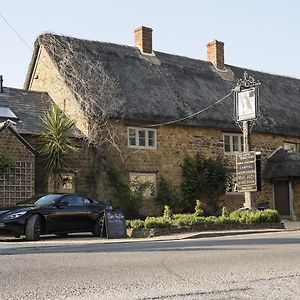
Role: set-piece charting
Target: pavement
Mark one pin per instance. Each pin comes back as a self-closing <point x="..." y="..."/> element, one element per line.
<point x="84" y="238"/>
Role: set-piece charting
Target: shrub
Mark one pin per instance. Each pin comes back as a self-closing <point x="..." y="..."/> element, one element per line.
<point x="168" y="213"/>
<point x="256" y="216"/>
<point x="204" y="178"/>
<point x="130" y="196"/>
<point x="198" y="208"/>
<point x="135" y="223"/>
<point x="184" y="220"/>
<point x="5" y="163"/>
<point x="225" y="212"/>
<point x="156" y="222"/>
<point x="167" y="194"/>
<point x="269" y="215"/>
<point x="179" y="220"/>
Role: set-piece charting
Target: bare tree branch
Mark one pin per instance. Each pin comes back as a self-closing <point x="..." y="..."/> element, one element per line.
<point x="96" y="90"/>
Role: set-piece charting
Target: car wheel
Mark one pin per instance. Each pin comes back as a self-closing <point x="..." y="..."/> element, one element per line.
<point x="98" y="228"/>
<point x="33" y="228"/>
<point x="62" y="234"/>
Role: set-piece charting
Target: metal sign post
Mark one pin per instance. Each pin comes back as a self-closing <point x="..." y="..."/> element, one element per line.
<point x="246" y="94"/>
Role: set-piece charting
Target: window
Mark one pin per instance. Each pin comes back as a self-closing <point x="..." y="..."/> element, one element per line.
<point x="233" y="143"/>
<point x="291" y="146"/>
<point x="150" y="178"/>
<point x="66" y="183"/>
<point x="142" y="138"/>
<point x="74" y="200"/>
<point x="7" y="113"/>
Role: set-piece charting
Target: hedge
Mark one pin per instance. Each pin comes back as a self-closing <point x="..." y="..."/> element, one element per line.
<point x="183" y="220"/>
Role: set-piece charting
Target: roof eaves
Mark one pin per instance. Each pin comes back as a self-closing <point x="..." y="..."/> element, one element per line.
<point x="32" y="65"/>
<point x="9" y="125"/>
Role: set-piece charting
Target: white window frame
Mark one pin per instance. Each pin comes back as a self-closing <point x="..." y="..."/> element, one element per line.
<point x="147" y="130"/>
<point x="143" y="178"/>
<point x="240" y="141"/>
<point x="291" y="146"/>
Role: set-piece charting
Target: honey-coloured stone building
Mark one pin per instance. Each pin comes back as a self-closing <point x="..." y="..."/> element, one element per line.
<point x="155" y="88"/>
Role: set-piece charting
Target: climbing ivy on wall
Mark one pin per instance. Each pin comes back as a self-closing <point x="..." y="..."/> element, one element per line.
<point x="5" y="163"/>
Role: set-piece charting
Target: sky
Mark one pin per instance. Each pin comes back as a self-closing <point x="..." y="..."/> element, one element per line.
<point x="261" y="35"/>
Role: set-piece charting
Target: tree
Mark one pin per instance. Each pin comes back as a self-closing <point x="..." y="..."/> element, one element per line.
<point x="57" y="144"/>
<point x="205" y="179"/>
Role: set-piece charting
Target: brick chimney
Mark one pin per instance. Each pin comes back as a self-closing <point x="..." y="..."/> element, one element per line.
<point x="215" y="54"/>
<point x="143" y="39"/>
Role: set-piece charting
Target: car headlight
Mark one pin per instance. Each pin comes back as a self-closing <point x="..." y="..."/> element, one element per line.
<point x="15" y="215"/>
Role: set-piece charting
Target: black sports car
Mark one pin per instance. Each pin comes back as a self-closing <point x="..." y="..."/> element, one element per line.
<point x="52" y="213"/>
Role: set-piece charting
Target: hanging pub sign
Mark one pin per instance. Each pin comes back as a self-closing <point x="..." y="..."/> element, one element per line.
<point x="246" y="104"/>
<point x="248" y="172"/>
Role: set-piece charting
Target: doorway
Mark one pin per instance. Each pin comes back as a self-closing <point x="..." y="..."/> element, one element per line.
<point x="281" y="197"/>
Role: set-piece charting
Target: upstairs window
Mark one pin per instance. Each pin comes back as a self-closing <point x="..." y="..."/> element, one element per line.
<point x="233" y="143"/>
<point x="142" y="138"/>
<point x="291" y="146"/>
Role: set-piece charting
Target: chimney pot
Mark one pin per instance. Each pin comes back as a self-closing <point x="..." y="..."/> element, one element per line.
<point x="215" y="54"/>
<point x="143" y="39"/>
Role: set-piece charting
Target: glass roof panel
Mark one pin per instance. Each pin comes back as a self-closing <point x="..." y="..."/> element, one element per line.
<point x="6" y="112"/>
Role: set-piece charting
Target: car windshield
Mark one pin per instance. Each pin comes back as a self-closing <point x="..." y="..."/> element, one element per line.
<point x="41" y="200"/>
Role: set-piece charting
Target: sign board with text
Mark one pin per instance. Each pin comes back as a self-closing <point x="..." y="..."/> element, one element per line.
<point x="115" y="224"/>
<point x="246" y="172"/>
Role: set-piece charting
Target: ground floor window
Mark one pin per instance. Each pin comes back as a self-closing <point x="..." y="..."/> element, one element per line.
<point x="66" y="183"/>
<point x="17" y="183"/>
<point x="145" y="177"/>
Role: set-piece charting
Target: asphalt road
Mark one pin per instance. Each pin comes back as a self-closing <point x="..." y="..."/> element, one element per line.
<point x="257" y="266"/>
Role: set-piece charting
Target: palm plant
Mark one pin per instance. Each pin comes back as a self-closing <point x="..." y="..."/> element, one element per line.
<point x="57" y="144"/>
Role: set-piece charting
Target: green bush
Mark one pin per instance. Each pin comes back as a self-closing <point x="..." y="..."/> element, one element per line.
<point x="168" y="213"/>
<point x="205" y="179"/>
<point x="198" y="208"/>
<point x="167" y="194"/>
<point x="269" y="216"/>
<point x="5" y="163"/>
<point x="255" y="216"/>
<point x="135" y="223"/>
<point x="180" y="220"/>
<point x="156" y="222"/>
<point x="225" y="212"/>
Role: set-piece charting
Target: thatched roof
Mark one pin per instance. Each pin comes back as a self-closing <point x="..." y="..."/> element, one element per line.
<point x="167" y="87"/>
<point x="283" y="163"/>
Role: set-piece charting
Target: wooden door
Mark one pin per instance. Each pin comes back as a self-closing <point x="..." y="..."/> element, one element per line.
<point x="281" y="195"/>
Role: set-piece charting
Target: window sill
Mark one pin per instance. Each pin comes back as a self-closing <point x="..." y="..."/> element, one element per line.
<point x="142" y="148"/>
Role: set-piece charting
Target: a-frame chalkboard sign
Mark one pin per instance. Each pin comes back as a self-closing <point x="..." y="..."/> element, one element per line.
<point x="114" y="222"/>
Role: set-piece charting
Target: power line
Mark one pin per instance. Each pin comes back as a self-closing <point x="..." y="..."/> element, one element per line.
<point x="194" y="114"/>
<point x="15" y="31"/>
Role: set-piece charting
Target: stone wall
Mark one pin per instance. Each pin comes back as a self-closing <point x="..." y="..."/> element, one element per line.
<point x="46" y="78"/>
<point x="296" y="190"/>
<point x="16" y="186"/>
<point x="174" y="143"/>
